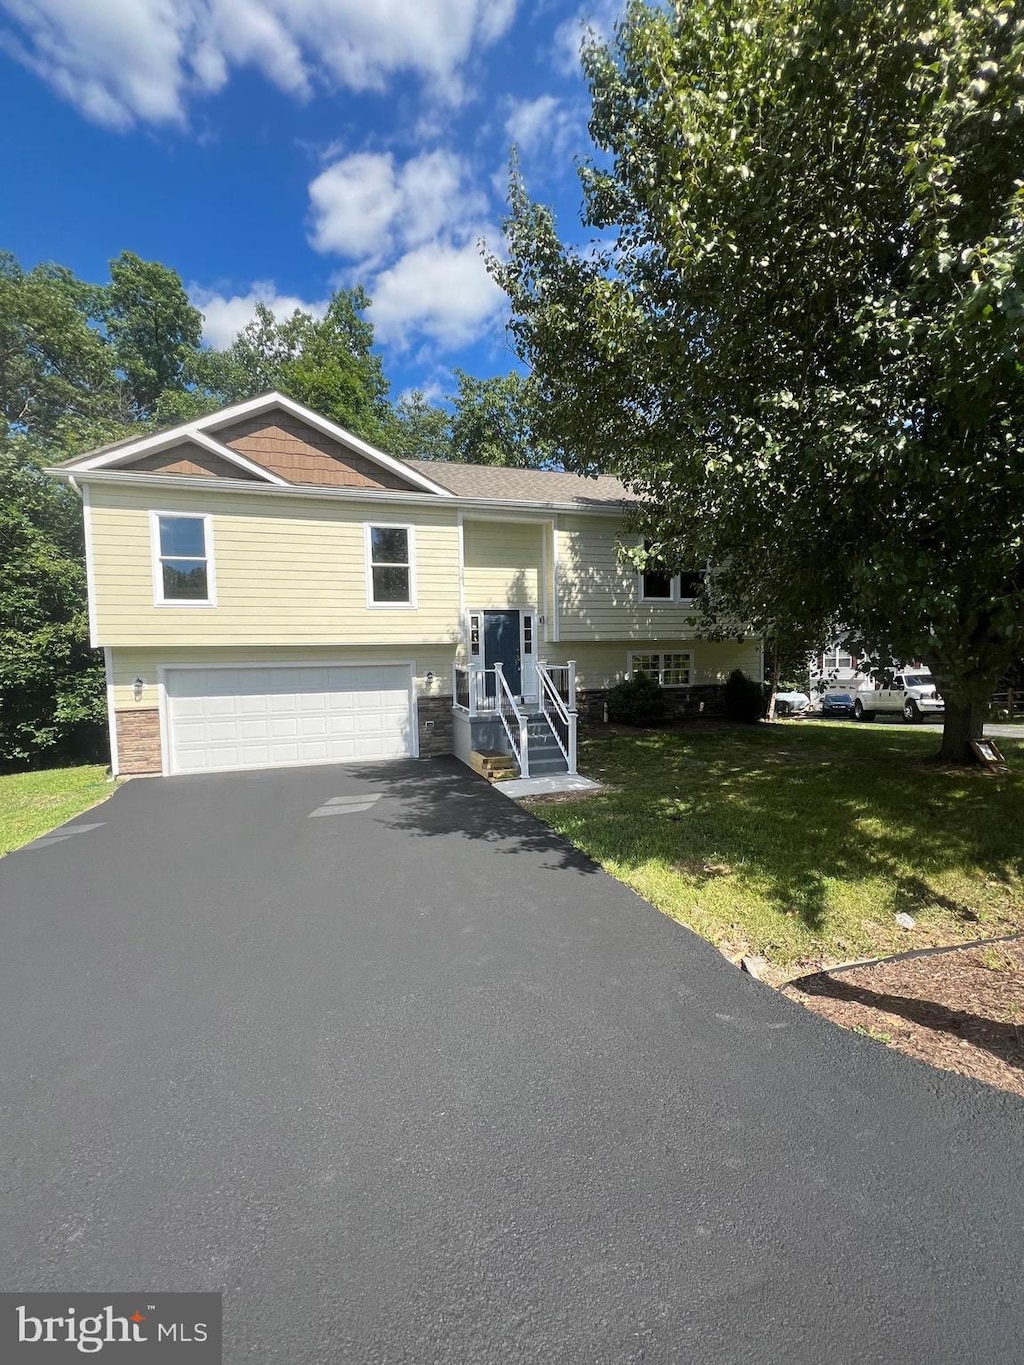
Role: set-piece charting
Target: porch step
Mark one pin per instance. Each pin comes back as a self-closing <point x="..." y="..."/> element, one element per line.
<point x="544" y="767"/>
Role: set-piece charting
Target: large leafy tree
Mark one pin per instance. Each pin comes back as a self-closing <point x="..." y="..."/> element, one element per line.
<point x="494" y="421"/>
<point x="51" y="683"/>
<point x="798" y="332"/>
<point x="153" y="331"/>
<point x="326" y="363"/>
<point x="80" y="364"/>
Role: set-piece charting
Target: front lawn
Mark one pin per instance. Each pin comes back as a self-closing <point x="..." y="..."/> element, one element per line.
<point x="33" y="803"/>
<point x="802" y="842"/>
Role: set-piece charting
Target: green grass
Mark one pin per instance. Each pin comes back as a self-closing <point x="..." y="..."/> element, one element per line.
<point x="33" y="803"/>
<point x="801" y="841"/>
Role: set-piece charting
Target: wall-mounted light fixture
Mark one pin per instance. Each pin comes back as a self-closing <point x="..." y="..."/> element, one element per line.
<point x="429" y="679"/>
<point x="138" y="686"/>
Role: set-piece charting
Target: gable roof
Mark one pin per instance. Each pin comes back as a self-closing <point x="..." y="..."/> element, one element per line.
<point x="440" y="478"/>
<point x="202" y="431"/>
<point x="524" y="485"/>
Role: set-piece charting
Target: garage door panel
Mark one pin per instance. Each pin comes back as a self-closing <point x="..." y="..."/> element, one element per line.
<point x="223" y="718"/>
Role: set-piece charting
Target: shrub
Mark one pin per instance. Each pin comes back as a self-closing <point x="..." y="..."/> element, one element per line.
<point x="744" y="698"/>
<point x="637" y="701"/>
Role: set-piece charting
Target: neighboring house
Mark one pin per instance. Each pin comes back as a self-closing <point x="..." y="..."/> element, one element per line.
<point x="270" y="590"/>
<point x="838" y="668"/>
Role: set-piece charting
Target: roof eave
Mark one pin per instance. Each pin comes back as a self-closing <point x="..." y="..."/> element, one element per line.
<point x="207" y="484"/>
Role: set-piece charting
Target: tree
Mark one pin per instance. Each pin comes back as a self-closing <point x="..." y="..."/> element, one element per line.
<point x="80" y="364"/>
<point x="420" y="430"/>
<point x="326" y="363"/>
<point x="54" y="364"/>
<point x="51" y="683"/>
<point x="494" y="422"/>
<point x="798" y="337"/>
<point x="153" y="329"/>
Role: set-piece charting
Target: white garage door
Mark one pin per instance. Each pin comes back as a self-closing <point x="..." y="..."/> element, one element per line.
<point x="223" y="718"/>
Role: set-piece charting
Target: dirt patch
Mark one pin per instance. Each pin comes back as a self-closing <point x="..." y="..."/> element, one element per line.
<point x="961" y="1011"/>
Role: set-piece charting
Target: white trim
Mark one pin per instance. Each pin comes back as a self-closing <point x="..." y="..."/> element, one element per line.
<point x="534" y="688"/>
<point x="90" y="567"/>
<point x="152" y="445"/>
<point x="461" y="537"/>
<point x="660" y="654"/>
<point x="214" y="421"/>
<point x="410" y="532"/>
<point x="226" y="453"/>
<point x="555" y="605"/>
<point x="159" y="600"/>
<point x="108" y="673"/>
<point x="166" y="767"/>
<point x="291" y="490"/>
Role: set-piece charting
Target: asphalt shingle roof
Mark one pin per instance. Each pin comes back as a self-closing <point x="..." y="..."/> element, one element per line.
<point x="522" y="485"/>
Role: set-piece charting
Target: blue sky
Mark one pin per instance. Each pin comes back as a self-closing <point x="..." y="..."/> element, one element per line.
<point x="277" y="148"/>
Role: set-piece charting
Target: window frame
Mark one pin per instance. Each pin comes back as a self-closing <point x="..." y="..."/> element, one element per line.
<point x="661" y="655"/>
<point x="410" y="548"/>
<point x="158" y="557"/>
<point x="674" y="598"/>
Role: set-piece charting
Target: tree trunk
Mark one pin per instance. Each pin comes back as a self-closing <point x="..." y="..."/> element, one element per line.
<point x="963" y="722"/>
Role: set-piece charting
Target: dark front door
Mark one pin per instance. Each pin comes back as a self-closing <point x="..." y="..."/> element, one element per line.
<point x="501" y="645"/>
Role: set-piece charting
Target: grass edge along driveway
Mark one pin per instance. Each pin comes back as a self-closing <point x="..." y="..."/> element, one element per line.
<point x="33" y="803"/>
<point x="802" y="842"/>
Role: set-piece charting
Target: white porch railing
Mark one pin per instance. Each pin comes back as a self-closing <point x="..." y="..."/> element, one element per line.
<point x="469" y="690"/>
<point x="515" y="721"/>
<point x="557" y="686"/>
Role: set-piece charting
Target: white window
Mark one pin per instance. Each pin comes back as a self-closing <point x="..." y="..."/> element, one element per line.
<point x="670" y="670"/>
<point x="390" y="567"/>
<point x="182" y="559"/>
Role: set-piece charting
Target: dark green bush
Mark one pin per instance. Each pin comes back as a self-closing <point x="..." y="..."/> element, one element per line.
<point x="744" y="698"/>
<point x="637" y="701"/>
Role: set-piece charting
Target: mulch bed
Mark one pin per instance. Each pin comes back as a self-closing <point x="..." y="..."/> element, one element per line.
<point x="961" y="1010"/>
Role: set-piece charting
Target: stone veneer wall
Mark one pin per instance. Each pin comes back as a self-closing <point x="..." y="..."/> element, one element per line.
<point x="138" y="741"/>
<point x="439" y="740"/>
<point x="703" y="701"/>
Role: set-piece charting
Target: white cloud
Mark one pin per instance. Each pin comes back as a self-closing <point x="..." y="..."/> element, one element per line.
<point x="596" y="19"/>
<point x="547" y="125"/>
<point x="226" y="314"/>
<point x="364" y="205"/>
<point x="440" y="291"/>
<point x="126" y="61"/>
<point x="410" y="231"/>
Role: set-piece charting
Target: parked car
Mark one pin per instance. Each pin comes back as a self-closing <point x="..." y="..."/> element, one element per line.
<point x="837" y="702"/>
<point x="790" y="703"/>
<point x="912" y="693"/>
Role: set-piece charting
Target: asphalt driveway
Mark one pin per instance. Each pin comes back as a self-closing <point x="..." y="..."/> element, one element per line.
<point x="411" y="1081"/>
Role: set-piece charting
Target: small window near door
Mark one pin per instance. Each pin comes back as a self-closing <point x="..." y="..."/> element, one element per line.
<point x="389" y="566"/>
<point x="183" y="567"/>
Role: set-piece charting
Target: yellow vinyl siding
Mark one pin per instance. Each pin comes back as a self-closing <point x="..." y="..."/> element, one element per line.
<point x="288" y="572"/>
<point x="598" y="596"/>
<point x="504" y="563"/>
<point x="127" y="664"/>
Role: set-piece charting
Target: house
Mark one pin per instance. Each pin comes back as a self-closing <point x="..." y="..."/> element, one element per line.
<point x="270" y="590"/>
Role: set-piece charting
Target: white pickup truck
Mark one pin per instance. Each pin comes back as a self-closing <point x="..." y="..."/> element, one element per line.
<point x="912" y="692"/>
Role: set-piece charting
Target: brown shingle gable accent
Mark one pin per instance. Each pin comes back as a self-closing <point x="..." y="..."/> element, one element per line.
<point x="297" y="452"/>
<point x="191" y="460"/>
